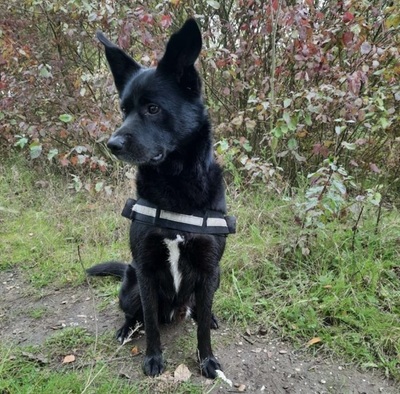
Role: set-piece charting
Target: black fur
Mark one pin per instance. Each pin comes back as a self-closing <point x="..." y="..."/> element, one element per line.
<point x="166" y="132"/>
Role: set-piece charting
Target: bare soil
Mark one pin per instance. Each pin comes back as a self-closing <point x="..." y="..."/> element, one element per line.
<point x="254" y="363"/>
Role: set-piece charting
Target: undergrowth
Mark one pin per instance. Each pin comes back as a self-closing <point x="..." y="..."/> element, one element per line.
<point x="341" y="288"/>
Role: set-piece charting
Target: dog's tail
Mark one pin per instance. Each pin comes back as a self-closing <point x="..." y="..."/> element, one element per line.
<point x="110" y="268"/>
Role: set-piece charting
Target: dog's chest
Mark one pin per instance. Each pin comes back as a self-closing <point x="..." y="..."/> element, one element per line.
<point x="173" y="260"/>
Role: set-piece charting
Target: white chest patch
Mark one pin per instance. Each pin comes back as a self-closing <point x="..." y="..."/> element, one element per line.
<point x="173" y="259"/>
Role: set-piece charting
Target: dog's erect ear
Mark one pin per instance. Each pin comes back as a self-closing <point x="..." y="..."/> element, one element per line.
<point x="122" y="65"/>
<point x="182" y="50"/>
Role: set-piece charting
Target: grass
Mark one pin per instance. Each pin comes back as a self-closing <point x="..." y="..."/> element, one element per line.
<point x="350" y="299"/>
<point x="347" y="297"/>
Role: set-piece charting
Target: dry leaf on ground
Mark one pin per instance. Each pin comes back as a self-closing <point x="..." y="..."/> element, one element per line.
<point x="182" y="373"/>
<point x="69" y="359"/>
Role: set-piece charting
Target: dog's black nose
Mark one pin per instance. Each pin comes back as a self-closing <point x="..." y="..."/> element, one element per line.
<point x="116" y="143"/>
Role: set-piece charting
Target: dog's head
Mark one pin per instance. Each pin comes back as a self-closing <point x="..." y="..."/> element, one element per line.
<point x="162" y="107"/>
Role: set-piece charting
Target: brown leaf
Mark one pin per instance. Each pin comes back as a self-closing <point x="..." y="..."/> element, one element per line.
<point x="135" y="351"/>
<point x="182" y="373"/>
<point x="69" y="359"/>
<point x="313" y="341"/>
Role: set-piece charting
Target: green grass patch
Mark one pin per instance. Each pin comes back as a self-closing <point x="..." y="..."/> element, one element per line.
<point x="49" y="232"/>
<point x="345" y="291"/>
<point x="322" y="282"/>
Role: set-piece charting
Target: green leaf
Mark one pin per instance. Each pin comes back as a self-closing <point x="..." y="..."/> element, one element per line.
<point x="247" y="147"/>
<point x="349" y="146"/>
<point x="214" y="4"/>
<point x="277" y="132"/>
<point x="384" y="123"/>
<point x="22" y="141"/>
<point x="52" y="153"/>
<point x="292" y="144"/>
<point x="286" y="117"/>
<point x="99" y="186"/>
<point x="35" y="149"/>
<point x="307" y="119"/>
<point x="339" y="186"/>
<point x="287" y="102"/>
<point x="44" y="72"/>
<point x="223" y="146"/>
<point x="66" y="118"/>
<point x="375" y="199"/>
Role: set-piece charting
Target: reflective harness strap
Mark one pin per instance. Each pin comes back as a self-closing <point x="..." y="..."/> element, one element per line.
<point x="206" y="222"/>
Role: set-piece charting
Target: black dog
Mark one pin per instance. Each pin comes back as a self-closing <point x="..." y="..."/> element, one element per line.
<point x="178" y="226"/>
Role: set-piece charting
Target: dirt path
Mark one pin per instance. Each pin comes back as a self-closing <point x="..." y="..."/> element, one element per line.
<point x="254" y="363"/>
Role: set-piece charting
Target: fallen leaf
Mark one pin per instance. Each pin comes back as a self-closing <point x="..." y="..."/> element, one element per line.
<point x="69" y="359"/>
<point x="313" y="341"/>
<point x="182" y="373"/>
<point x="135" y="351"/>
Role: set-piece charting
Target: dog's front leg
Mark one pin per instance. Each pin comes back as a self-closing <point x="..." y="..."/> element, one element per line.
<point x="153" y="363"/>
<point x="204" y="297"/>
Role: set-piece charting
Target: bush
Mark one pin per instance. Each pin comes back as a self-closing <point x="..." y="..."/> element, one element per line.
<point x="289" y="85"/>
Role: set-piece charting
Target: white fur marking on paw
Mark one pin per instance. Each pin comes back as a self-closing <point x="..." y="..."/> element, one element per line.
<point x="222" y="376"/>
<point x="173" y="248"/>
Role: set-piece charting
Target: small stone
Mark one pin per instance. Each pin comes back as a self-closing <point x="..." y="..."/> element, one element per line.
<point x="322" y="381"/>
<point x="263" y="331"/>
<point x="241" y="388"/>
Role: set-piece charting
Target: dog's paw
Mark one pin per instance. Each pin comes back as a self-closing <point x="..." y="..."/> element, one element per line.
<point x="209" y="367"/>
<point x="123" y="334"/>
<point x="214" y="322"/>
<point x="153" y="365"/>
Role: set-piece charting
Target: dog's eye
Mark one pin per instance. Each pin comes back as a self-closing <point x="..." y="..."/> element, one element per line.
<point x="152" y="109"/>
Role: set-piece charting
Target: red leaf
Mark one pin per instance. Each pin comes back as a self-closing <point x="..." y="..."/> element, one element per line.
<point x="166" y="21"/>
<point x="348" y="17"/>
<point x="320" y="149"/>
<point x="347" y="38"/>
<point x="64" y="161"/>
<point x="374" y="168"/>
<point x="147" y="18"/>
